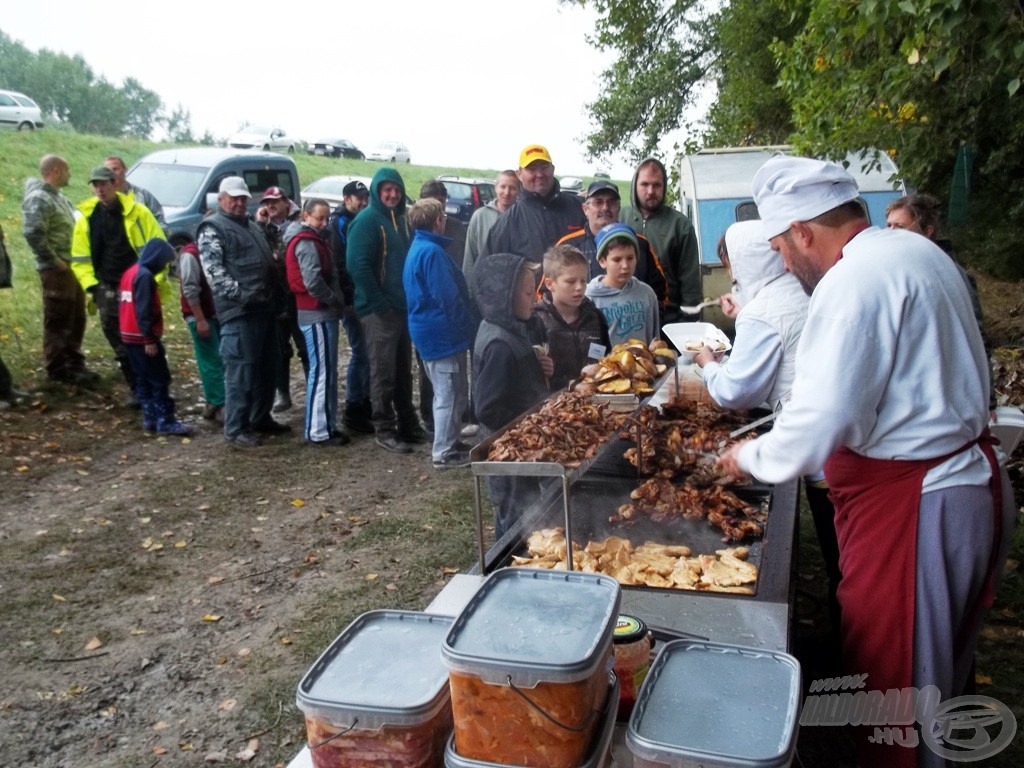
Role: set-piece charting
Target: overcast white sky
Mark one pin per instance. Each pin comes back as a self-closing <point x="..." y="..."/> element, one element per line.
<point x="463" y="83"/>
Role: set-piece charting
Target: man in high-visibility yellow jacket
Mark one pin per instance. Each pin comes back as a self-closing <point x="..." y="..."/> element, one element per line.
<point x="107" y="240"/>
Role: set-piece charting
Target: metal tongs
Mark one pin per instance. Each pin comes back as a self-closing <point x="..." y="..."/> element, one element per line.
<point x="699" y="307"/>
<point x="753" y="425"/>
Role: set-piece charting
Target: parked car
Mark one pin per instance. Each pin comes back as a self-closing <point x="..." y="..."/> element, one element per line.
<point x="601" y="175"/>
<point x="466" y="195"/>
<point x="571" y="184"/>
<point x="185" y="181"/>
<point x="267" y="139"/>
<point x="390" y="152"/>
<point x="18" y="111"/>
<point x="329" y="188"/>
<point x="336" y="148"/>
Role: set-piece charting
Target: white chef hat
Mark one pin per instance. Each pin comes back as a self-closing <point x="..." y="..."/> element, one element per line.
<point x="788" y="189"/>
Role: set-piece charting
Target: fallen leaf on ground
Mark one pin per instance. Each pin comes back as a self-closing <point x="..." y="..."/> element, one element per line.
<point x="160" y="726"/>
<point x="60" y="598"/>
<point x="93" y="644"/>
<point x="983" y="680"/>
<point x="249" y="752"/>
<point x="371" y="576"/>
<point x="216" y="757"/>
<point x="392" y="587"/>
<point x="244" y="651"/>
<point x="449" y="571"/>
<point x="212" y="617"/>
<point x="158" y="750"/>
<point x="227" y="705"/>
<point x="298" y="503"/>
<point x="215" y="580"/>
<point x="180" y="544"/>
<point x="136" y="632"/>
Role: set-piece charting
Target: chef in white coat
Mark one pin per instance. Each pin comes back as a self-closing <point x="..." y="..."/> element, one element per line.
<point x="890" y="395"/>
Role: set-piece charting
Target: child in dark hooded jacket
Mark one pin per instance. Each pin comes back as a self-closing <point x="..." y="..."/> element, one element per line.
<point x="511" y="366"/>
<point x="142" y="325"/>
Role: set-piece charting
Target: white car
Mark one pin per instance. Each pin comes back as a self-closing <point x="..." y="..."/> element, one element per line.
<point x="267" y="139"/>
<point x="18" y="111"/>
<point x="329" y="188"/>
<point x="390" y="152"/>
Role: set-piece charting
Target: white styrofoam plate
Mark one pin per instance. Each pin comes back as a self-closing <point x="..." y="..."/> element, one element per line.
<point x="685" y="334"/>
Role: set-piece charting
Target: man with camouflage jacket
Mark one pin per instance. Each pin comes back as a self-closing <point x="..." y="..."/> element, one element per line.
<point x="48" y="219"/>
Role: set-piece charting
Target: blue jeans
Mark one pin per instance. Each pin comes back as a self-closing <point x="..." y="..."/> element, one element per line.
<point x="248" y="349"/>
<point x="357" y="380"/>
<point x="322" y="381"/>
<point x="451" y="395"/>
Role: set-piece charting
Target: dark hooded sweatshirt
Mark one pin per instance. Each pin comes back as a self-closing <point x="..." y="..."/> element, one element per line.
<point x="378" y="241"/>
<point x="141" y="316"/>
<point x="672" y="237"/>
<point x="507" y="377"/>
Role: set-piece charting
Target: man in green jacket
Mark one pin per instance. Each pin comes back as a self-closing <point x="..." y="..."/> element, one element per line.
<point x="106" y="241"/>
<point x="671" y="236"/>
<point x="378" y="240"/>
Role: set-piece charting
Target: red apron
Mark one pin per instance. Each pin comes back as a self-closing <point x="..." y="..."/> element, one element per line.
<point x="877" y="503"/>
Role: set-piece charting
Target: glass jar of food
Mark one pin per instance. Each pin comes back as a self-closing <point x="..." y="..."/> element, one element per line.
<point x="632" y="644"/>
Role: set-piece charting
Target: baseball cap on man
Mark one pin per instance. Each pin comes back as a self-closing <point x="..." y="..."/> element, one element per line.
<point x="233" y="186"/>
<point x="273" y="193"/>
<point x="355" y="188"/>
<point x="602" y="186"/>
<point x="533" y="153"/>
<point x="102" y="173"/>
<point x="608" y="233"/>
<point x="788" y="189"/>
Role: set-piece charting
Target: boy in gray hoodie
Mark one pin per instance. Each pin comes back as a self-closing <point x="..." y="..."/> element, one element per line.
<point x="629" y="306"/>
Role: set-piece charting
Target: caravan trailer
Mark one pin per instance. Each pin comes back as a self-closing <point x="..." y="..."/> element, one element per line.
<point x="715" y="191"/>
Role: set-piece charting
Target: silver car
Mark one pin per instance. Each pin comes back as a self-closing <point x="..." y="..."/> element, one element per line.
<point x="18" y="111"/>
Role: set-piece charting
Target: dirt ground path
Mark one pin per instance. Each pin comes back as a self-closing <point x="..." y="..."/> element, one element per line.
<point x="162" y="597"/>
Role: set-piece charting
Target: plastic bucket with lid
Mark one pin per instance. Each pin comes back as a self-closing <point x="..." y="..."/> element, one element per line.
<point x="528" y="661"/>
<point x="715" y="705"/>
<point x="596" y="754"/>
<point x="378" y="696"/>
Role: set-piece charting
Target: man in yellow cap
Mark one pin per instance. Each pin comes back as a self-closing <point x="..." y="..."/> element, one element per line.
<point x="541" y="215"/>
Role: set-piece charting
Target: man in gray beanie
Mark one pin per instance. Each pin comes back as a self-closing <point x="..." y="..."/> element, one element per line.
<point x="890" y="395"/>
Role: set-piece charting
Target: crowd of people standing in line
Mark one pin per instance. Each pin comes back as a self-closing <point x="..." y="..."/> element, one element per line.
<point x="258" y="290"/>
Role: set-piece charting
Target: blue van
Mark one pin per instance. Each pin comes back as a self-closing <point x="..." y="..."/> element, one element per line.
<point x="715" y="191"/>
<point x="185" y="181"/>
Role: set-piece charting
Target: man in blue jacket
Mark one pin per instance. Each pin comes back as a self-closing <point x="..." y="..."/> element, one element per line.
<point x="441" y="325"/>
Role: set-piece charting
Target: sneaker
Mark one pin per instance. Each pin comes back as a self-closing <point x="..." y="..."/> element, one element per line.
<point x="211" y="412"/>
<point x="271" y="427"/>
<point x="282" y="401"/>
<point x="244" y="440"/>
<point x="173" y="428"/>
<point x="469" y="430"/>
<point x="393" y="443"/>
<point x="453" y="461"/>
<point x="336" y="439"/>
<point x="414" y="436"/>
<point x="361" y="425"/>
<point x="82" y="377"/>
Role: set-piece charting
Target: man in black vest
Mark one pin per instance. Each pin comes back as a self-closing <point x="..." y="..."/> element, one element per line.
<point x="239" y="265"/>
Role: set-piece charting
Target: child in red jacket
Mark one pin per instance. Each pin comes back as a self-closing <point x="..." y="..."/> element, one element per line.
<point x="142" y="325"/>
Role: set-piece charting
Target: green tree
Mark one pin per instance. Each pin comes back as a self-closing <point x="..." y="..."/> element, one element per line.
<point x="178" y="125"/>
<point x="751" y="109"/>
<point x="665" y="50"/>
<point x="921" y="79"/>
<point x="66" y="88"/>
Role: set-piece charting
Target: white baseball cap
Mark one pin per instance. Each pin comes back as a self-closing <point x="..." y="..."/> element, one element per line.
<point x="234" y="186"/>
